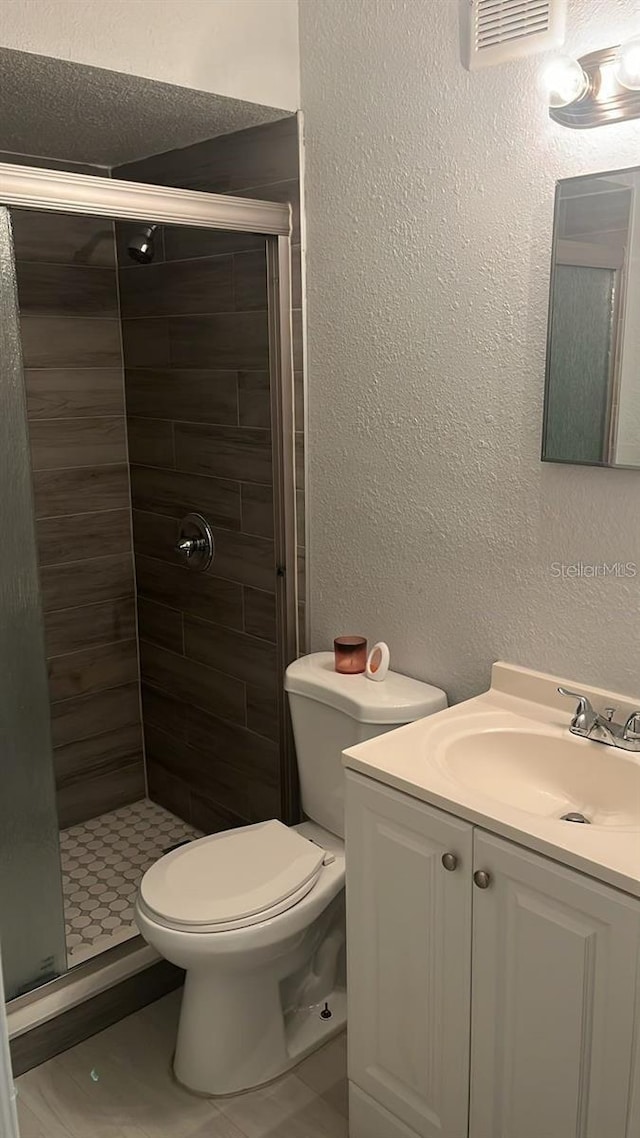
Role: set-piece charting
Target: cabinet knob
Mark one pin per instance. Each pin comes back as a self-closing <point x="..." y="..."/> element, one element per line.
<point x="482" y="879"/>
<point x="450" y="861"/>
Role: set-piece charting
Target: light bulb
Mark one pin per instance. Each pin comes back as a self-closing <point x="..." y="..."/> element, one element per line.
<point x="627" y="65"/>
<point x="564" y="82"/>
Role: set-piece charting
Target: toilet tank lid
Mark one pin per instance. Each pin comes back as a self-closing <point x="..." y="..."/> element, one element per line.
<point x="397" y="699"/>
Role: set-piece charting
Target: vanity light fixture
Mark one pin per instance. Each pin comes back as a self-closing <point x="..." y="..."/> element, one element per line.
<point x="565" y="81"/>
<point x="627" y="66"/>
<point x="599" y="88"/>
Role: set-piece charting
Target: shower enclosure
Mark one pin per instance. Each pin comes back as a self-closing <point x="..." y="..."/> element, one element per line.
<point x="147" y="410"/>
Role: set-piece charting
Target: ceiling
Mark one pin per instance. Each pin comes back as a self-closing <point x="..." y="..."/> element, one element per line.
<point x="52" y="108"/>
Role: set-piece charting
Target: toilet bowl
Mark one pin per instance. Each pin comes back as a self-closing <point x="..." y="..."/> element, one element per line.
<point x="255" y="916"/>
<point x="262" y="989"/>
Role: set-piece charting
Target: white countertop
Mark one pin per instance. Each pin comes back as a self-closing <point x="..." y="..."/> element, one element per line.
<point x="518" y="699"/>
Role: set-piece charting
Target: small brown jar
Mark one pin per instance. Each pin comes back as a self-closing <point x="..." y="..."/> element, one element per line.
<point x="350" y="654"/>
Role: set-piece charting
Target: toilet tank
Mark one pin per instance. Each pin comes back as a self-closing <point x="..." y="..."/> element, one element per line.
<point x="331" y="712"/>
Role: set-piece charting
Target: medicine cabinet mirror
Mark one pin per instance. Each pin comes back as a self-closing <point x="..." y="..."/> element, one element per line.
<point x="592" y="397"/>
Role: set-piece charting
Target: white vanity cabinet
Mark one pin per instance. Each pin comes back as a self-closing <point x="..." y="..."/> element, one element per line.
<point x="506" y="1011"/>
<point x="554" y="964"/>
<point x="409" y="954"/>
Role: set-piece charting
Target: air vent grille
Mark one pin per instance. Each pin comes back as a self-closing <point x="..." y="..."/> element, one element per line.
<point x="501" y="30"/>
<point x="498" y="21"/>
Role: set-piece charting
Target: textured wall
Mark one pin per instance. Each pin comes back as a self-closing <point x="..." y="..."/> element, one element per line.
<point x="246" y="49"/>
<point x="429" y="215"/>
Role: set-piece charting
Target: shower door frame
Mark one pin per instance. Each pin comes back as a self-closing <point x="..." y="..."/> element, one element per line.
<point x="59" y="191"/>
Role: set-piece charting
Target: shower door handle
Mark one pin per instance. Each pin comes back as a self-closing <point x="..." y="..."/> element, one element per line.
<point x="195" y="543"/>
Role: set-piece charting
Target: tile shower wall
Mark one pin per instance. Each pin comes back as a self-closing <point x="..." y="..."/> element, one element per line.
<point x="262" y="162"/>
<point x="197" y="388"/>
<point x="67" y="287"/>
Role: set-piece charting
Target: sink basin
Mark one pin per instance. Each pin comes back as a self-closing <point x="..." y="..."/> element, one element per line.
<point x="547" y="774"/>
<point x="506" y="760"/>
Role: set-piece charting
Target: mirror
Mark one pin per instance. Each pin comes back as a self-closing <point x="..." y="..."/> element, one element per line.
<point x="592" y="396"/>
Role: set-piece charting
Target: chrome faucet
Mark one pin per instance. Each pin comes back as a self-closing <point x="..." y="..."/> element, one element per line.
<point x="589" y="724"/>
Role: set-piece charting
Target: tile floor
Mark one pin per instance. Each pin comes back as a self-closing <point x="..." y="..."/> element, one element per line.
<point x="118" y="1085"/>
<point x="102" y="863"/>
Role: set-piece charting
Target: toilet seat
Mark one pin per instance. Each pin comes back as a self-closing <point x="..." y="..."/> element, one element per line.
<point x="233" y="879"/>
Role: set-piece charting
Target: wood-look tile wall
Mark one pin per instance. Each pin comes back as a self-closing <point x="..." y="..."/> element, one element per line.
<point x="207" y="640"/>
<point x="198" y="407"/>
<point x="262" y="162"/>
<point x="71" y="342"/>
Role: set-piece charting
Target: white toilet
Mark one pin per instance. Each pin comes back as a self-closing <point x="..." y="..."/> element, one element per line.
<point x="256" y="915"/>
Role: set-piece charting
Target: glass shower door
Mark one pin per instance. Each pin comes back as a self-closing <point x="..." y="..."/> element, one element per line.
<point x="223" y="316"/>
<point x="31" y="912"/>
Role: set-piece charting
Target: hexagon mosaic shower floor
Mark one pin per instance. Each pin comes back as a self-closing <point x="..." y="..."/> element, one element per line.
<point x="103" y="861"/>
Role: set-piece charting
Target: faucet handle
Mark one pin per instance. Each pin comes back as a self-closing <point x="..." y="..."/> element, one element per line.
<point x="585" y="717"/>
<point x="631" y="729"/>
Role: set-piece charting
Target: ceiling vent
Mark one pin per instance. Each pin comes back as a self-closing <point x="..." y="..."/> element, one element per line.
<point x="496" y="31"/>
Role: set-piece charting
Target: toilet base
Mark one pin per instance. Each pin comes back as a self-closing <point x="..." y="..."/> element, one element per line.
<point x="307" y="1030"/>
<point x="256" y="1046"/>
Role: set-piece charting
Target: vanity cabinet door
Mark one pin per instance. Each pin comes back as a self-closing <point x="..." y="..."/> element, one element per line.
<point x="555" y="956"/>
<point x="633" y="1124"/>
<point x="409" y="948"/>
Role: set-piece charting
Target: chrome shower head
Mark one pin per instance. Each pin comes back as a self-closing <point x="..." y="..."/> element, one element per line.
<point x="140" y="247"/>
